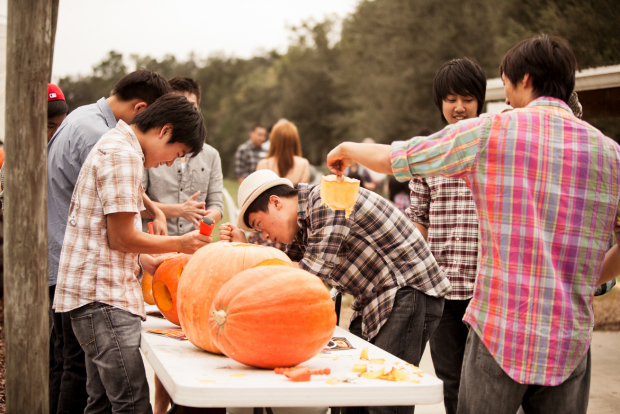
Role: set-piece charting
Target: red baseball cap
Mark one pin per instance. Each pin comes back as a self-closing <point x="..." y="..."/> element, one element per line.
<point x="54" y="93"/>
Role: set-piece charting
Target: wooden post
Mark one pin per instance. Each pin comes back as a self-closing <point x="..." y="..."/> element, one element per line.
<point x="53" y="41"/>
<point x="29" y="25"/>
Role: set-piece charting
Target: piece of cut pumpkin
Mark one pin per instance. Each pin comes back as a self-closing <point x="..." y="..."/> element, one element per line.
<point x="373" y="374"/>
<point x="339" y="193"/>
<point x="364" y="354"/>
<point x="359" y="368"/>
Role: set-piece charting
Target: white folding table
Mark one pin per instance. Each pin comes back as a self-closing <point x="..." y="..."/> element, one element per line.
<point x="196" y="378"/>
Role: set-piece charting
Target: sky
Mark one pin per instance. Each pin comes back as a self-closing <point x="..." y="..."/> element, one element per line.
<point x="88" y="29"/>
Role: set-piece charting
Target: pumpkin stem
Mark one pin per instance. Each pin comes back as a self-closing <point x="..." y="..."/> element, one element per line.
<point x="220" y="316"/>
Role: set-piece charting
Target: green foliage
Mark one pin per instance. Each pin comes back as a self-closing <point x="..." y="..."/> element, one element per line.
<point x="370" y="75"/>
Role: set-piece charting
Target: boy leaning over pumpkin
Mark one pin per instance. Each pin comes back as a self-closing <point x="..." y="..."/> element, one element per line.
<point x="99" y="272"/>
<point x="376" y="255"/>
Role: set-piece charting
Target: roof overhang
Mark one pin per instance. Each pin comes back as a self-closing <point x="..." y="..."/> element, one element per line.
<point x="603" y="77"/>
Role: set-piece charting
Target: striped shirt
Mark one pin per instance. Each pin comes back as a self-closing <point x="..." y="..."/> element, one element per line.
<point x="446" y="207"/>
<point x="370" y="255"/>
<point x="90" y="271"/>
<point x="546" y="189"/>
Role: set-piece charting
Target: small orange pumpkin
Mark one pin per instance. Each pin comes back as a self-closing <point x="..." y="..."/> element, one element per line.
<point x="204" y="275"/>
<point x="147" y="288"/>
<point x="272" y="316"/>
<point x="165" y="284"/>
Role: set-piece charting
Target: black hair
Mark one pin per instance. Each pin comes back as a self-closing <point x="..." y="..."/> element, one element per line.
<point x="185" y="84"/>
<point x="463" y="77"/>
<point x="145" y="85"/>
<point x="260" y="126"/>
<point x="548" y="60"/>
<point x="188" y="126"/>
<point x="56" y="108"/>
<point x="261" y="203"/>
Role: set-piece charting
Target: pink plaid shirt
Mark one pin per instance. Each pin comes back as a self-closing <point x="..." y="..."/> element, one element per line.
<point x="546" y="186"/>
<point x="110" y="182"/>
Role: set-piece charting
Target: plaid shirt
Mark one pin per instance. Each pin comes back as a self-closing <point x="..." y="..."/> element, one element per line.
<point x="246" y="158"/>
<point x="370" y="255"/>
<point x="110" y="182"/>
<point x="446" y="207"/>
<point x="547" y="191"/>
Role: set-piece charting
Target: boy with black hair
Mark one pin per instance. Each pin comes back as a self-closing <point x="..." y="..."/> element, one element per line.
<point x="186" y="191"/>
<point x="547" y="189"/>
<point x="100" y="267"/>
<point x="189" y="189"/>
<point x="67" y="151"/>
<point x="376" y="255"/>
<point x="444" y="211"/>
<point x="186" y="87"/>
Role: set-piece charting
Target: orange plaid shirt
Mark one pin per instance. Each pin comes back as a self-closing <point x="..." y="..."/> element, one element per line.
<point x="90" y="271"/>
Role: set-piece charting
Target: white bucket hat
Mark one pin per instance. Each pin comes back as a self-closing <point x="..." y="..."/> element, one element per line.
<point x="254" y="185"/>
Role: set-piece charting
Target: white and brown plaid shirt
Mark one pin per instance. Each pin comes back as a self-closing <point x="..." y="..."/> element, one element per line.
<point x="370" y="255"/>
<point x="446" y="207"/>
<point x="110" y="182"/>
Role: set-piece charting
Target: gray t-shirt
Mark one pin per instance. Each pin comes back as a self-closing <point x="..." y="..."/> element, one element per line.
<point x="177" y="183"/>
<point x="66" y="153"/>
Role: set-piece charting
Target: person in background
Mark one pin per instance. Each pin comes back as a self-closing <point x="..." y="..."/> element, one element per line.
<point x="67" y="152"/>
<point x="285" y="160"/>
<point x="185" y="191"/>
<point x="444" y="211"/>
<point x="541" y="259"/>
<point x="284" y="157"/>
<point x="250" y="153"/>
<point x="398" y="193"/>
<point x="57" y="109"/>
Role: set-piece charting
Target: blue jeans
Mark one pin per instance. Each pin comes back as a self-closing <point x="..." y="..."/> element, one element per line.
<point x="487" y="389"/>
<point x="411" y="323"/>
<point x="110" y="338"/>
<point x="447" y="350"/>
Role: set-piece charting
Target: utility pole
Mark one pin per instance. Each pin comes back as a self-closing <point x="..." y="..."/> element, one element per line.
<point x="26" y="320"/>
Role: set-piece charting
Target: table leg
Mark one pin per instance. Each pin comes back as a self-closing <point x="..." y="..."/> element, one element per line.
<point x="258" y="410"/>
<point x="269" y="410"/>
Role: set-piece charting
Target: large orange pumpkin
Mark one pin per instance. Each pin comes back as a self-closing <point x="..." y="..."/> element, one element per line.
<point x="165" y="284"/>
<point x="272" y="316"/>
<point x="204" y="275"/>
<point x="147" y="288"/>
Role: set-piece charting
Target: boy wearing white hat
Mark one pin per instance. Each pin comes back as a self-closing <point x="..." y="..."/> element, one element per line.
<point x="377" y="255"/>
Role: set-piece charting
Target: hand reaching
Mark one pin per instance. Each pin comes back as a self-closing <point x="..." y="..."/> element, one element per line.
<point x="150" y="262"/>
<point x="231" y="233"/>
<point x="192" y="241"/>
<point x="193" y="210"/>
<point x="338" y="161"/>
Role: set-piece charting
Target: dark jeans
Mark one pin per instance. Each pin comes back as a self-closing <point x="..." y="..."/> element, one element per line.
<point x="412" y="321"/>
<point x="110" y="338"/>
<point x="67" y="380"/>
<point x="486" y="388"/>
<point x="447" y="350"/>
